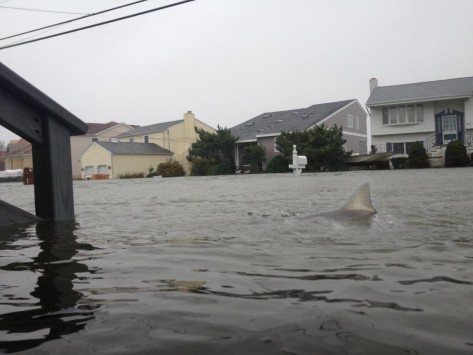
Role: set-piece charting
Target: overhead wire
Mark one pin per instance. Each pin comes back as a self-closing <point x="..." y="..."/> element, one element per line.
<point x="40" y="10"/>
<point x="97" y="24"/>
<point x="72" y="20"/>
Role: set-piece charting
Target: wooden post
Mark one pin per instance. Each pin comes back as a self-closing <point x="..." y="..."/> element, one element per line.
<point x="48" y="126"/>
<point x="53" y="173"/>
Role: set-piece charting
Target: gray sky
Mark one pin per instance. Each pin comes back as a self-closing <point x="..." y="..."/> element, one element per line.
<point x="230" y="60"/>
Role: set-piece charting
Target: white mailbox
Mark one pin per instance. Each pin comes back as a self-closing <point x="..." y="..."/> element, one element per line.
<point x="298" y="162"/>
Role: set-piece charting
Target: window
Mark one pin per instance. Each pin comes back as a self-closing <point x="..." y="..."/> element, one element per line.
<point x="409" y="146"/>
<point x="275" y="145"/>
<point x="398" y="148"/>
<point x="393" y="114"/>
<point x="420" y="113"/>
<point x="146" y="139"/>
<point x="403" y="114"/>
<point x="357" y="122"/>
<point x="95" y="139"/>
<point x="385" y="115"/>
<point x="350" y="121"/>
<point x="410" y="114"/>
<point x="132" y="140"/>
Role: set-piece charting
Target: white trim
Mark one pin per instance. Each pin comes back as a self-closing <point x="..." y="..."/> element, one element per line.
<point x="246" y="141"/>
<point x="354" y="134"/>
<point x="420" y="100"/>
<point x="267" y="135"/>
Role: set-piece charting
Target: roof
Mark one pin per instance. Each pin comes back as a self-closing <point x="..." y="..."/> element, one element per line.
<point x="39" y="101"/>
<point x="158" y="127"/>
<point x="424" y="91"/>
<point x="129" y="148"/>
<point x="95" y="128"/>
<point x="269" y="123"/>
<point x="24" y="150"/>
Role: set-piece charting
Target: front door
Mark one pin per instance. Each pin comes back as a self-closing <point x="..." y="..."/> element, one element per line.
<point x="449" y="128"/>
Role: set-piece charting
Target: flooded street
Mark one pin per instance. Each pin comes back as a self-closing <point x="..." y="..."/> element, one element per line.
<point x="226" y="264"/>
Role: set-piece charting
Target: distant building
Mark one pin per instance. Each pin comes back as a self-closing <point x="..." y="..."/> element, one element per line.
<point x="120" y="158"/>
<point x="96" y="132"/>
<point x="266" y="127"/>
<point x="433" y="112"/>
<point x="176" y="136"/>
<point x="19" y="155"/>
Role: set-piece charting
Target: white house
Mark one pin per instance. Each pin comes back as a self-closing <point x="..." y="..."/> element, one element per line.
<point x="434" y="113"/>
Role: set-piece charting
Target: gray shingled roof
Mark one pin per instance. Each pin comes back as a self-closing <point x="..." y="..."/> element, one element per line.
<point x="426" y="91"/>
<point x="286" y="121"/>
<point x="158" y="127"/>
<point x="129" y="148"/>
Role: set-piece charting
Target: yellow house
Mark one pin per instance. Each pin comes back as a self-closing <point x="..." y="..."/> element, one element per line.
<point x="177" y="136"/>
<point x="103" y="132"/>
<point x="120" y="158"/>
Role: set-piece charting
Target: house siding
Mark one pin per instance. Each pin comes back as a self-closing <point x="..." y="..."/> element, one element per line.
<point x="131" y="164"/>
<point x="18" y="162"/>
<point x="401" y="133"/>
<point x="177" y="138"/>
<point x="268" y="144"/>
<point x="95" y="156"/>
<point x="356" y="137"/>
<point x="80" y="143"/>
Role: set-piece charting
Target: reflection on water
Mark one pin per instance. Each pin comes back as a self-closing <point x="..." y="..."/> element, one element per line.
<point x="218" y="265"/>
<point x="55" y="313"/>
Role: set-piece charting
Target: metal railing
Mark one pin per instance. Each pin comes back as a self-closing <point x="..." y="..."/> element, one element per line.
<point x="469" y="139"/>
<point x="430" y="142"/>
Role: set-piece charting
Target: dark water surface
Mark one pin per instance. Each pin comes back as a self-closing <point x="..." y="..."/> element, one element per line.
<point x="223" y="265"/>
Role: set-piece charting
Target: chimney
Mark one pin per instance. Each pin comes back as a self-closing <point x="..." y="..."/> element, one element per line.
<point x="189" y="124"/>
<point x="373" y="84"/>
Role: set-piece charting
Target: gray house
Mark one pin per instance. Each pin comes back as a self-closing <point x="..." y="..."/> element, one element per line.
<point x="266" y="127"/>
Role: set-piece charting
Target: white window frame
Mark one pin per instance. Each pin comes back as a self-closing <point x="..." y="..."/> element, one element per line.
<point x="350" y="121"/>
<point x="357" y="122"/>
<point x="399" y="115"/>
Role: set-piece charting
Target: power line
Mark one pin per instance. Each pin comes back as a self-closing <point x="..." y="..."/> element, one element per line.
<point x="39" y="10"/>
<point x="72" y="20"/>
<point x="98" y="24"/>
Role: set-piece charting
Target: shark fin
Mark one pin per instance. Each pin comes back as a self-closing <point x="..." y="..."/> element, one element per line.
<point x="360" y="200"/>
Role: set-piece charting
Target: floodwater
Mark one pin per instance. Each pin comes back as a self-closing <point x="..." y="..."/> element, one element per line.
<point x="223" y="265"/>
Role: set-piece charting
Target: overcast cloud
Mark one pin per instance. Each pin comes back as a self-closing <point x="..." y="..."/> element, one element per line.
<point x="230" y="60"/>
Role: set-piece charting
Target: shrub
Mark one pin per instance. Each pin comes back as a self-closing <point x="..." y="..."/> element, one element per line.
<point x="131" y="176"/>
<point x="199" y="166"/>
<point x="279" y="164"/>
<point x="219" y="169"/>
<point x="418" y="158"/>
<point x="254" y="155"/>
<point x="399" y="163"/>
<point x="171" y="168"/>
<point x="455" y="155"/>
